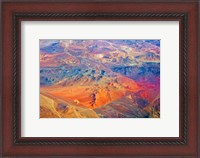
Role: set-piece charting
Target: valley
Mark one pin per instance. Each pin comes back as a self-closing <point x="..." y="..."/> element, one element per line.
<point x="99" y="79"/>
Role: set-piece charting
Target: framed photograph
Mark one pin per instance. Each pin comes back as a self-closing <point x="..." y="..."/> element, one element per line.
<point x="100" y="79"/>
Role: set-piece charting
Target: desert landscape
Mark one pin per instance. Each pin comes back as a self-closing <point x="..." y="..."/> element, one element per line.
<point x="99" y="78"/>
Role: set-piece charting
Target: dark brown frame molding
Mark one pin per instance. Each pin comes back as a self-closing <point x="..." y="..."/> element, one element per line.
<point x="184" y="12"/>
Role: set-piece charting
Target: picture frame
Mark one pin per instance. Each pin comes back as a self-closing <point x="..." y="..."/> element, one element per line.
<point x="187" y="144"/>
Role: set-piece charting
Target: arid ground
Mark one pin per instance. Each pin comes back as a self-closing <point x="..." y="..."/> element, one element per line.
<point x="99" y="78"/>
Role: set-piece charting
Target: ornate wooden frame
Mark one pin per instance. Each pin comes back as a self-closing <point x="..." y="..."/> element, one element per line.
<point x="15" y="145"/>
